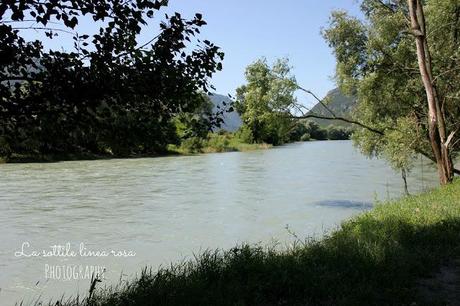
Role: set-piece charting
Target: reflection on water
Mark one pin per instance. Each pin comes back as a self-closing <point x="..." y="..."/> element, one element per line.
<point x="165" y="209"/>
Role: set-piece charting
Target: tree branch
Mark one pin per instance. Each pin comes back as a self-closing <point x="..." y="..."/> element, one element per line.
<point x="334" y="116"/>
<point x="340" y="119"/>
<point x="451" y="136"/>
<point x="44" y="29"/>
<point x="317" y="99"/>
<point x="351" y="121"/>
<point x="431" y="158"/>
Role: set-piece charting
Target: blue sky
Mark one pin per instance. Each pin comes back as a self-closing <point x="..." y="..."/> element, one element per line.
<point x="249" y="29"/>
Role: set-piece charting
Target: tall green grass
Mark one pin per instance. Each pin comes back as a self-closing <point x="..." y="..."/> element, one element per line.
<point x="373" y="259"/>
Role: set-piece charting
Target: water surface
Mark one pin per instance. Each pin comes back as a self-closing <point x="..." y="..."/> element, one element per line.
<point x="165" y="209"/>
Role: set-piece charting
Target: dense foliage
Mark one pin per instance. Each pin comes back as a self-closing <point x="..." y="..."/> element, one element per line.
<point x="110" y="94"/>
<point x="304" y="130"/>
<point x="377" y="62"/>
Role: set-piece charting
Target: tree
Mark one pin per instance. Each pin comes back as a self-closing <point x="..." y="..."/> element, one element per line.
<point x="109" y="94"/>
<point x="266" y="100"/>
<point x="378" y="62"/>
<point x="436" y="112"/>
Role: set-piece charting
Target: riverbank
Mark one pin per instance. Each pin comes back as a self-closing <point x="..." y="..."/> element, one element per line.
<point x="214" y="143"/>
<point x="379" y="257"/>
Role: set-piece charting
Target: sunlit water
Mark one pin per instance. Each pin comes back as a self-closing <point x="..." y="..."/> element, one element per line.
<point x="166" y="209"/>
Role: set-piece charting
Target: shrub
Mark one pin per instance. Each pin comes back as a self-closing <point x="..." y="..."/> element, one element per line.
<point x="245" y="135"/>
<point x="305" y="137"/>
<point x="298" y="131"/>
<point x="218" y="142"/>
<point x="338" y="133"/>
<point x="5" y="150"/>
<point x="192" y="145"/>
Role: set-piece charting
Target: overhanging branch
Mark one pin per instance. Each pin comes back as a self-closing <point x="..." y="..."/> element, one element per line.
<point x="351" y="121"/>
<point x="317" y="99"/>
<point x="306" y="116"/>
<point x="334" y="116"/>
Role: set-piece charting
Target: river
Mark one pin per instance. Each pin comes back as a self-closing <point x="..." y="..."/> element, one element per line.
<point x="166" y="209"/>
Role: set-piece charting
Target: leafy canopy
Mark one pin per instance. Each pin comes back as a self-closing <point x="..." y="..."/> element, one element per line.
<point x="376" y="61"/>
<point x="108" y="94"/>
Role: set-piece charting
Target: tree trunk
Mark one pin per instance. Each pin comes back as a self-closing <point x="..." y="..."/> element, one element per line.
<point x="436" y="122"/>
<point x="404" y="177"/>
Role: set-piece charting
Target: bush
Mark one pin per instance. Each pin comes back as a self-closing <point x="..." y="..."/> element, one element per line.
<point x="298" y="131"/>
<point x="192" y="145"/>
<point x="219" y="142"/>
<point x="338" y="133"/>
<point x="305" y="137"/>
<point x="5" y="150"/>
<point x="244" y="134"/>
<point x="315" y="131"/>
<point x="319" y="134"/>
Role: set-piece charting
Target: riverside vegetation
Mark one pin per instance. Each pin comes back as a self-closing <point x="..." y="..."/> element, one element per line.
<point x="376" y="258"/>
<point x="207" y="142"/>
<point x="241" y="140"/>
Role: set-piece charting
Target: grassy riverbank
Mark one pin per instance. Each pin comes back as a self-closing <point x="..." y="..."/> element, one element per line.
<point x="378" y="257"/>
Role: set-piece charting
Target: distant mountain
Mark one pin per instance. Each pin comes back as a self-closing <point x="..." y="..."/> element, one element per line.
<point x="232" y="120"/>
<point x="338" y="103"/>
